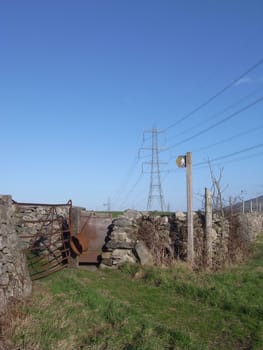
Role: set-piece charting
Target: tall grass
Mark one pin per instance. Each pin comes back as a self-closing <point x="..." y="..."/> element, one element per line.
<point x="146" y="308"/>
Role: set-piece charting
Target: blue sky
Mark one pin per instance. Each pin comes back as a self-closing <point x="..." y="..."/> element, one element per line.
<point x="80" y="82"/>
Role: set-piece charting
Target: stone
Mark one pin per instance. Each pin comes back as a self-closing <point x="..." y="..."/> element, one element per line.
<point x="115" y="244"/>
<point x="132" y="214"/>
<point x="106" y="255"/>
<point x="213" y="235"/>
<point x="144" y="254"/>
<point x="122" y="222"/>
<point x="164" y="220"/>
<point x="107" y="262"/>
<point x="121" y="256"/>
<point x="180" y="216"/>
<point x="104" y="266"/>
<point x="4" y="280"/>
<point x="119" y="238"/>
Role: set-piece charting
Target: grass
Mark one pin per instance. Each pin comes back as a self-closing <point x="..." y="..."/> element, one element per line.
<point x="115" y="214"/>
<point x="146" y="308"/>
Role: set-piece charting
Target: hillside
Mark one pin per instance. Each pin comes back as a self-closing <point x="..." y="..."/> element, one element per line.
<point x="256" y="204"/>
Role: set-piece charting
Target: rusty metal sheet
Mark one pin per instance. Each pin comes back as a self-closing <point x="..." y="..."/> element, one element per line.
<point x="95" y="227"/>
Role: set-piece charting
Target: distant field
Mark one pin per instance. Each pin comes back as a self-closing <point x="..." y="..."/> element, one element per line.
<point x="146" y="308"/>
<point x="113" y="213"/>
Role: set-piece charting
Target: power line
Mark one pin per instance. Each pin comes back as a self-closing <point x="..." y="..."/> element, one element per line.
<point x="204" y="164"/>
<point x="229" y="138"/>
<point x="220" y="92"/>
<point x="216" y="124"/>
<point x="250" y="156"/>
<point x="230" y="154"/>
<point x="131" y="190"/>
<point x="215" y="115"/>
<point x="126" y="179"/>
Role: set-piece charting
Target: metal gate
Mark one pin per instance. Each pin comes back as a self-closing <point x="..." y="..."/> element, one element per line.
<point x="45" y="236"/>
<point x="94" y="226"/>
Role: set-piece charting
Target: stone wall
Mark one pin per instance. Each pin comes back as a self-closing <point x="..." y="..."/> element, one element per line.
<point x="150" y="240"/>
<point x="250" y="224"/>
<point x="15" y="282"/>
<point x="34" y="220"/>
<point x="20" y="226"/>
<point x="161" y="240"/>
<point x="231" y="238"/>
<point x="134" y="237"/>
<point x="121" y="240"/>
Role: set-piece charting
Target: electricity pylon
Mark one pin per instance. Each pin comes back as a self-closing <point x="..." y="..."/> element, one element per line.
<point x="155" y="189"/>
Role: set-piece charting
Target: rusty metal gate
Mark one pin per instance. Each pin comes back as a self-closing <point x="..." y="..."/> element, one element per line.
<point x="44" y="236"/>
<point x="94" y="225"/>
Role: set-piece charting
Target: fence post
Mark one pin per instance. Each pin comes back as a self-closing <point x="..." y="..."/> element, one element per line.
<point x="208" y="227"/>
<point x="190" y="226"/>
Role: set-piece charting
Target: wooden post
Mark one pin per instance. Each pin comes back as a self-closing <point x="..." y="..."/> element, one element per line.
<point x="208" y="227"/>
<point x="190" y="228"/>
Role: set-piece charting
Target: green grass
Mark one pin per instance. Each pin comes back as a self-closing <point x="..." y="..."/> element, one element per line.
<point x="114" y="214"/>
<point x="146" y="308"/>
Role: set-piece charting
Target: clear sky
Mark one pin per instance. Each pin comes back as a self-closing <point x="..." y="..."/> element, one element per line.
<point x="80" y="82"/>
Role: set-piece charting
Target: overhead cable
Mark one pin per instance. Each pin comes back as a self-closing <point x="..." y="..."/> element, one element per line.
<point x="216" y="124"/>
<point x="126" y="180"/>
<point x="215" y="115"/>
<point x="204" y="164"/>
<point x="230" y="154"/>
<point x="220" y="92"/>
<point x="250" y="156"/>
<point x="228" y="139"/>
<point x="132" y="189"/>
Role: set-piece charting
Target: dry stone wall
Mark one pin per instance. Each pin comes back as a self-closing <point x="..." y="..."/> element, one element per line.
<point x="34" y="220"/>
<point x="250" y="224"/>
<point x="121" y="240"/>
<point x="20" y="226"/>
<point x="15" y="282"/>
<point x="231" y="238"/>
<point x="137" y="237"/>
